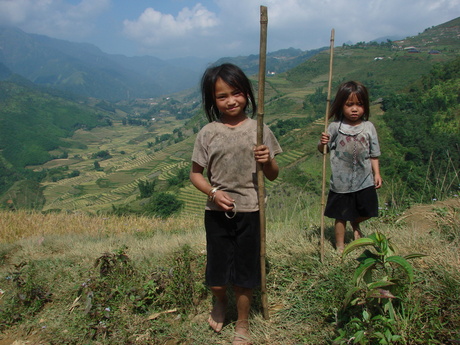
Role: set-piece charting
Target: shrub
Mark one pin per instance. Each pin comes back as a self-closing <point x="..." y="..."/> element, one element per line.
<point x="27" y="295"/>
<point x="163" y="205"/>
<point x="146" y="188"/>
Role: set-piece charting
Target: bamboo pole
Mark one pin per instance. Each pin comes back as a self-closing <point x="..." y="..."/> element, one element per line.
<point x="260" y="173"/>
<point x="328" y="102"/>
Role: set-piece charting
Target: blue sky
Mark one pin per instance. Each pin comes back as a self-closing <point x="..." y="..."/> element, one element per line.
<point x="218" y="28"/>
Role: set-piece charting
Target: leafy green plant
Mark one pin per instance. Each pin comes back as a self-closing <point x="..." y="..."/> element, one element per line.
<point x="185" y="289"/>
<point x="179" y="286"/>
<point x="379" y="278"/>
<point x="25" y="295"/>
<point x="383" y="329"/>
<point x="116" y="262"/>
<point x="102" y="296"/>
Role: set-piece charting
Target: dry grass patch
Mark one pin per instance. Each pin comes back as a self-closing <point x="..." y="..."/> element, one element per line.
<point x="158" y="296"/>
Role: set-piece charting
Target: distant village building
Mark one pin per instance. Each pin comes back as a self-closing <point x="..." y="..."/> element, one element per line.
<point x="378" y="58"/>
<point x="411" y="50"/>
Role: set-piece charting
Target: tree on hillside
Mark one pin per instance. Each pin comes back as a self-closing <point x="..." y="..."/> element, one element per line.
<point x="181" y="176"/>
<point x="426" y="126"/>
<point x="163" y="205"/>
<point x="104" y="154"/>
<point x="315" y="103"/>
<point x="97" y="166"/>
<point x="146" y="188"/>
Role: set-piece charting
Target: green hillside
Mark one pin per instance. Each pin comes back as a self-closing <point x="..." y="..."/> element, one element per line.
<point x="34" y="123"/>
<point x="34" y="127"/>
<point x="83" y="69"/>
<point x="151" y="140"/>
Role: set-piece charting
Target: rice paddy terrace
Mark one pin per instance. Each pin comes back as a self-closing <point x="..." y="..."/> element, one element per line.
<point x="116" y="183"/>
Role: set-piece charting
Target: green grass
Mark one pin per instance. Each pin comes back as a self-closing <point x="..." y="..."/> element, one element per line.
<point x="145" y="278"/>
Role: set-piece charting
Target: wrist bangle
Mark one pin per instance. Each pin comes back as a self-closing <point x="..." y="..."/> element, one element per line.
<point x="212" y="194"/>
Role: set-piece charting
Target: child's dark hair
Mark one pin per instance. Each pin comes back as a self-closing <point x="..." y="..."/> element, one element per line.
<point x="344" y="91"/>
<point x="233" y="76"/>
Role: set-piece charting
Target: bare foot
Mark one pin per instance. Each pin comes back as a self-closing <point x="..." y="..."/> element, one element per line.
<point x="217" y="317"/>
<point x="242" y="334"/>
<point x="356" y="229"/>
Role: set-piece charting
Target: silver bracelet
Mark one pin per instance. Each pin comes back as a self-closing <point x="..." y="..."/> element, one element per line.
<point x="212" y="194"/>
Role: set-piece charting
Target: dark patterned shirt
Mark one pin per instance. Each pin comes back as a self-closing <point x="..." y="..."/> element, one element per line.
<point x="351" y="150"/>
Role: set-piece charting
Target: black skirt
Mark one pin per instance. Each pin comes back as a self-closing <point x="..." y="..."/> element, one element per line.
<point x="351" y="206"/>
<point x="233" y="249"/>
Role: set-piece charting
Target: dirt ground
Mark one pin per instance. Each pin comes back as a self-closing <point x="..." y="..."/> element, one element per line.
<point x="423" y="217"/>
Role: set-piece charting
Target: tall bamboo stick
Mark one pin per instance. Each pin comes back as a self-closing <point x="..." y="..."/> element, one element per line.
<point x="328" y="103"/>
<point x="260" y="173"/>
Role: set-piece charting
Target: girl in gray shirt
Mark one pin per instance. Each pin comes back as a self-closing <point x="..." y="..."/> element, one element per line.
<point x="226" y="148"/>
<point x="354" y="150"/>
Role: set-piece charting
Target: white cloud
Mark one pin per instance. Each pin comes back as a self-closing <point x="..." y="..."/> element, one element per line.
<point x="155" y="28"/>
<point x="307" y="24"/>
<point x="55" y="18"/>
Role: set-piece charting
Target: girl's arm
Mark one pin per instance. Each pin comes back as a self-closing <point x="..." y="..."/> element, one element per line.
<point x="220" y="198"/>
<point x="376" y="169"/>
<point x="270" y="167"/>
<point x="323" y="142"/>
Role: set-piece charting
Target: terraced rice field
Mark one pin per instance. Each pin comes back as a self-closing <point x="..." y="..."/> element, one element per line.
<point x="122" y="175"/>
<point x="195" y="201"/>
<point x="117" y="183"/>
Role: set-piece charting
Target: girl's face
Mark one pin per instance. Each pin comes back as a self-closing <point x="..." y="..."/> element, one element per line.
<point x="353" y="110"/>
<point x="230" y="102"/>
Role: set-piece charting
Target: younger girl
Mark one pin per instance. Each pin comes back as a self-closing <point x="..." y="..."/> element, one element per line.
<point x="226" y="148"/>
<point x="354" y="147"/>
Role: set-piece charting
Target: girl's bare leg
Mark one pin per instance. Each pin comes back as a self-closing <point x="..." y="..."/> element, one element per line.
<point x="340" y="227"/>
<point x="243" y="304"/>
<point x="356" y="229"/>
<point x="217" y="317"/>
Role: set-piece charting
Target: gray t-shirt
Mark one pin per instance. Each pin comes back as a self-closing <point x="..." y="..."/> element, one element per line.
<point x="228" y="157"/>
<point x="351" y="148"/>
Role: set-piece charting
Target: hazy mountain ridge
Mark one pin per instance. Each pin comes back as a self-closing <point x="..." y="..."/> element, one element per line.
<point x="85" y="70"/>
<point x="277" y="62"/>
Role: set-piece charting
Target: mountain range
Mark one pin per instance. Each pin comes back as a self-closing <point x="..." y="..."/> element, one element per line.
<point x="84" y="70"/>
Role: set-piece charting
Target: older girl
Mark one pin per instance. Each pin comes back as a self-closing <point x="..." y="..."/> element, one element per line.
<point x="226" y="149"/>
